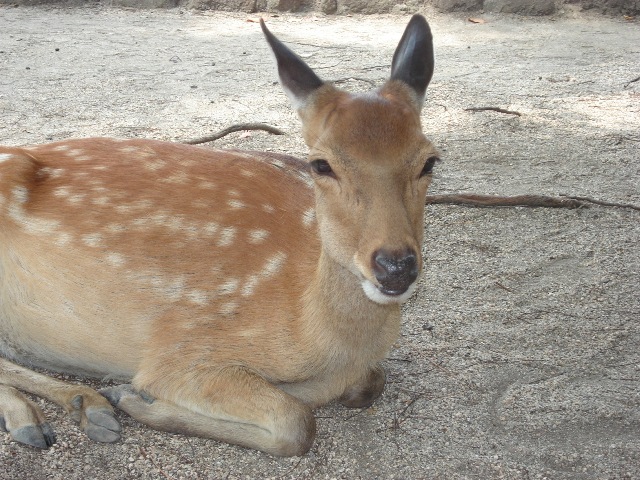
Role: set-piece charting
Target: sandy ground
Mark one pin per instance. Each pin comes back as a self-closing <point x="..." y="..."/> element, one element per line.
<point x="520" y="355"/>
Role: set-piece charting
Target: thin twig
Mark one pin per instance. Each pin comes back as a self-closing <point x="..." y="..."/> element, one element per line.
<point x="236" y="128"/>
<point x="150" y="458"/>
<point x="498" y="201"/>
<point x="631" y="81"/>
<point x="603" y="202"/>
<point x="504" y="288"/>
<point x="493" y="109"/>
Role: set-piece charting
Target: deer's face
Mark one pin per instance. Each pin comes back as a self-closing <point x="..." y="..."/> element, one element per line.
<point x="370" y="163"/>
<point x="371" y="166"/>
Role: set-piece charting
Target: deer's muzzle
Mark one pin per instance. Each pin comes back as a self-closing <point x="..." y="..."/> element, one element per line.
<point x="395" y="271"/>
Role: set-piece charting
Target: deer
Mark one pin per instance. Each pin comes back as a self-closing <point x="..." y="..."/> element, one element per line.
<point x="231" y="292"/>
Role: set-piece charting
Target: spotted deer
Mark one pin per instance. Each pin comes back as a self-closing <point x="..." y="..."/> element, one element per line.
<point x="231" y="291"/>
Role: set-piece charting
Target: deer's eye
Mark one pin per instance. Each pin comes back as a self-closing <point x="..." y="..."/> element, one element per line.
<point x="322" y="167"/>
<point x="428" y="166"/>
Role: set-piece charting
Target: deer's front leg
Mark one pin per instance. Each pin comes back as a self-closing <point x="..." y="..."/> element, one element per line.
<point x="363" y="393"/>
<point x="235" y="407"/>
<point x="24" y="420"/>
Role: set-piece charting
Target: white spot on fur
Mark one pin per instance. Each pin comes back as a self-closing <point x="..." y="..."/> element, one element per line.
<point x="5" y="156"/>
<point x="188" y="163"/>
<point x="63" y="239"/>
<point x="175" y="223"/>
<point x="101" y="201"/>
<point x="115" y="259"/>
<point x="123" y="208"/>
<point x="55" y="172"/>
<point x="272" y="266"/>
<point x="154" y="165"/>
<point x="375" y="295"/>
<point x="228" y="287"/>
<point x="175" y="289"/>
<point x="179" y="178"/>
<point x="140" y="222"/>
<point x="36" y="226"/>
<point x="159" y="219"/>
<point x="227" y="235"/>
<point x="76" y="199"/>
<point x="250" y="285"/>
<point x="76" y="152"/>
<point x="228" y="308"/>
<point x="309" y="217"/>
<point x="61" y="192"/>
<point x="236" y="204"/>
<point x="115" y="228"/>
<point x="142" y="204"/>
<point x="268" y="208"/>
<point x="206" y="185"/>
<point x="20" y="194"/>
<point x="247" y="173"/>
<point x="130" y="149"/>
<point x="210" y="229"/>
<point x="92" y="240"/>
<point x="233" y="193"/>
<point x="198" y="297"/>
<point x="257" y="236"/>
<point x="61" y="148"/>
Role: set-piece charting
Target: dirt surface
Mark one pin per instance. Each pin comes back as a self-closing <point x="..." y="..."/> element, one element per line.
<point x="520" y="355"/>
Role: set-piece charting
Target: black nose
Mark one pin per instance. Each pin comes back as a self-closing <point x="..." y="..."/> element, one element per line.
<point x="395" y="271"/>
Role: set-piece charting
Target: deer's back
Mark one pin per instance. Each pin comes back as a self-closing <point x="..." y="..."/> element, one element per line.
<point x="107" y="237"/>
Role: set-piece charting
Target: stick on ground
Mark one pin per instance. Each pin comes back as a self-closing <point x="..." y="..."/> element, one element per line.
<point x="493" y="109"/>
<point x="475" y="200"/>
<point x="236" y="128"/>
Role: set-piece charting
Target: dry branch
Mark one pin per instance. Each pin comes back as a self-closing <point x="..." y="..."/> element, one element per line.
<point x="493" y="109"/>
<point x="631" y="81"/>
<point x="475" y="200"/>
<point x="236" y="128"/>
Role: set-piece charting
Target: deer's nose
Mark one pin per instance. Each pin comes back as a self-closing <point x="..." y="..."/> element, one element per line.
<point x="395" y="271"/>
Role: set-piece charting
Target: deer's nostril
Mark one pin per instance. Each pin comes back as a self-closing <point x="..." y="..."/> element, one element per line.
<point x="395" y="271"/>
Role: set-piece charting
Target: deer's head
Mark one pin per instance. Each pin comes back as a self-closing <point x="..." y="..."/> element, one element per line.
<point x="370" y="162"/>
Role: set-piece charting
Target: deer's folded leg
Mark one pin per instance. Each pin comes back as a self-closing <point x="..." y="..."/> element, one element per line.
<point x="236" y="407"/>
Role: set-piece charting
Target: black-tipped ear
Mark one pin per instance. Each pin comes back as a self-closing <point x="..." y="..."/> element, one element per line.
<point x="413" y="59"/>
<point x="296" y="77"/>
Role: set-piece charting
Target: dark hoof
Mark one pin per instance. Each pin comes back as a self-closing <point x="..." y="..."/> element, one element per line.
<point x="38" y="436"/>
<point x="102" y="425"/>
<point x="363" y="395"/>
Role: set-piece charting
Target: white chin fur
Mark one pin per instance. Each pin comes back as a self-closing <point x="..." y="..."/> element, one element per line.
<point x="375" y="295"/>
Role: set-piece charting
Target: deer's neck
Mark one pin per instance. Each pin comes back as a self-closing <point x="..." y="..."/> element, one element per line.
<point x="336" y="303"/>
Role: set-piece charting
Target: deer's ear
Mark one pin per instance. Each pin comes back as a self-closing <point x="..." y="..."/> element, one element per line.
<point x="413" y="59"/>
<point x="296" y="77"/>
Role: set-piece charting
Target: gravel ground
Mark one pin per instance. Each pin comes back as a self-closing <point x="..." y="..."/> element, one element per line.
<point x="520" y="355"/>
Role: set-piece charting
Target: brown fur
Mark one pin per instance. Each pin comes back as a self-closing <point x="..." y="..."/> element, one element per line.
<point x="225" y="285"/>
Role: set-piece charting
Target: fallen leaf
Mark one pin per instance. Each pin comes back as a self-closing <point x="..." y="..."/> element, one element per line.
<point x="477" y="20"/>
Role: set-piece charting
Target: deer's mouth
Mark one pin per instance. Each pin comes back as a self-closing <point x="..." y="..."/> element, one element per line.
<point x="386" y="296"/>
